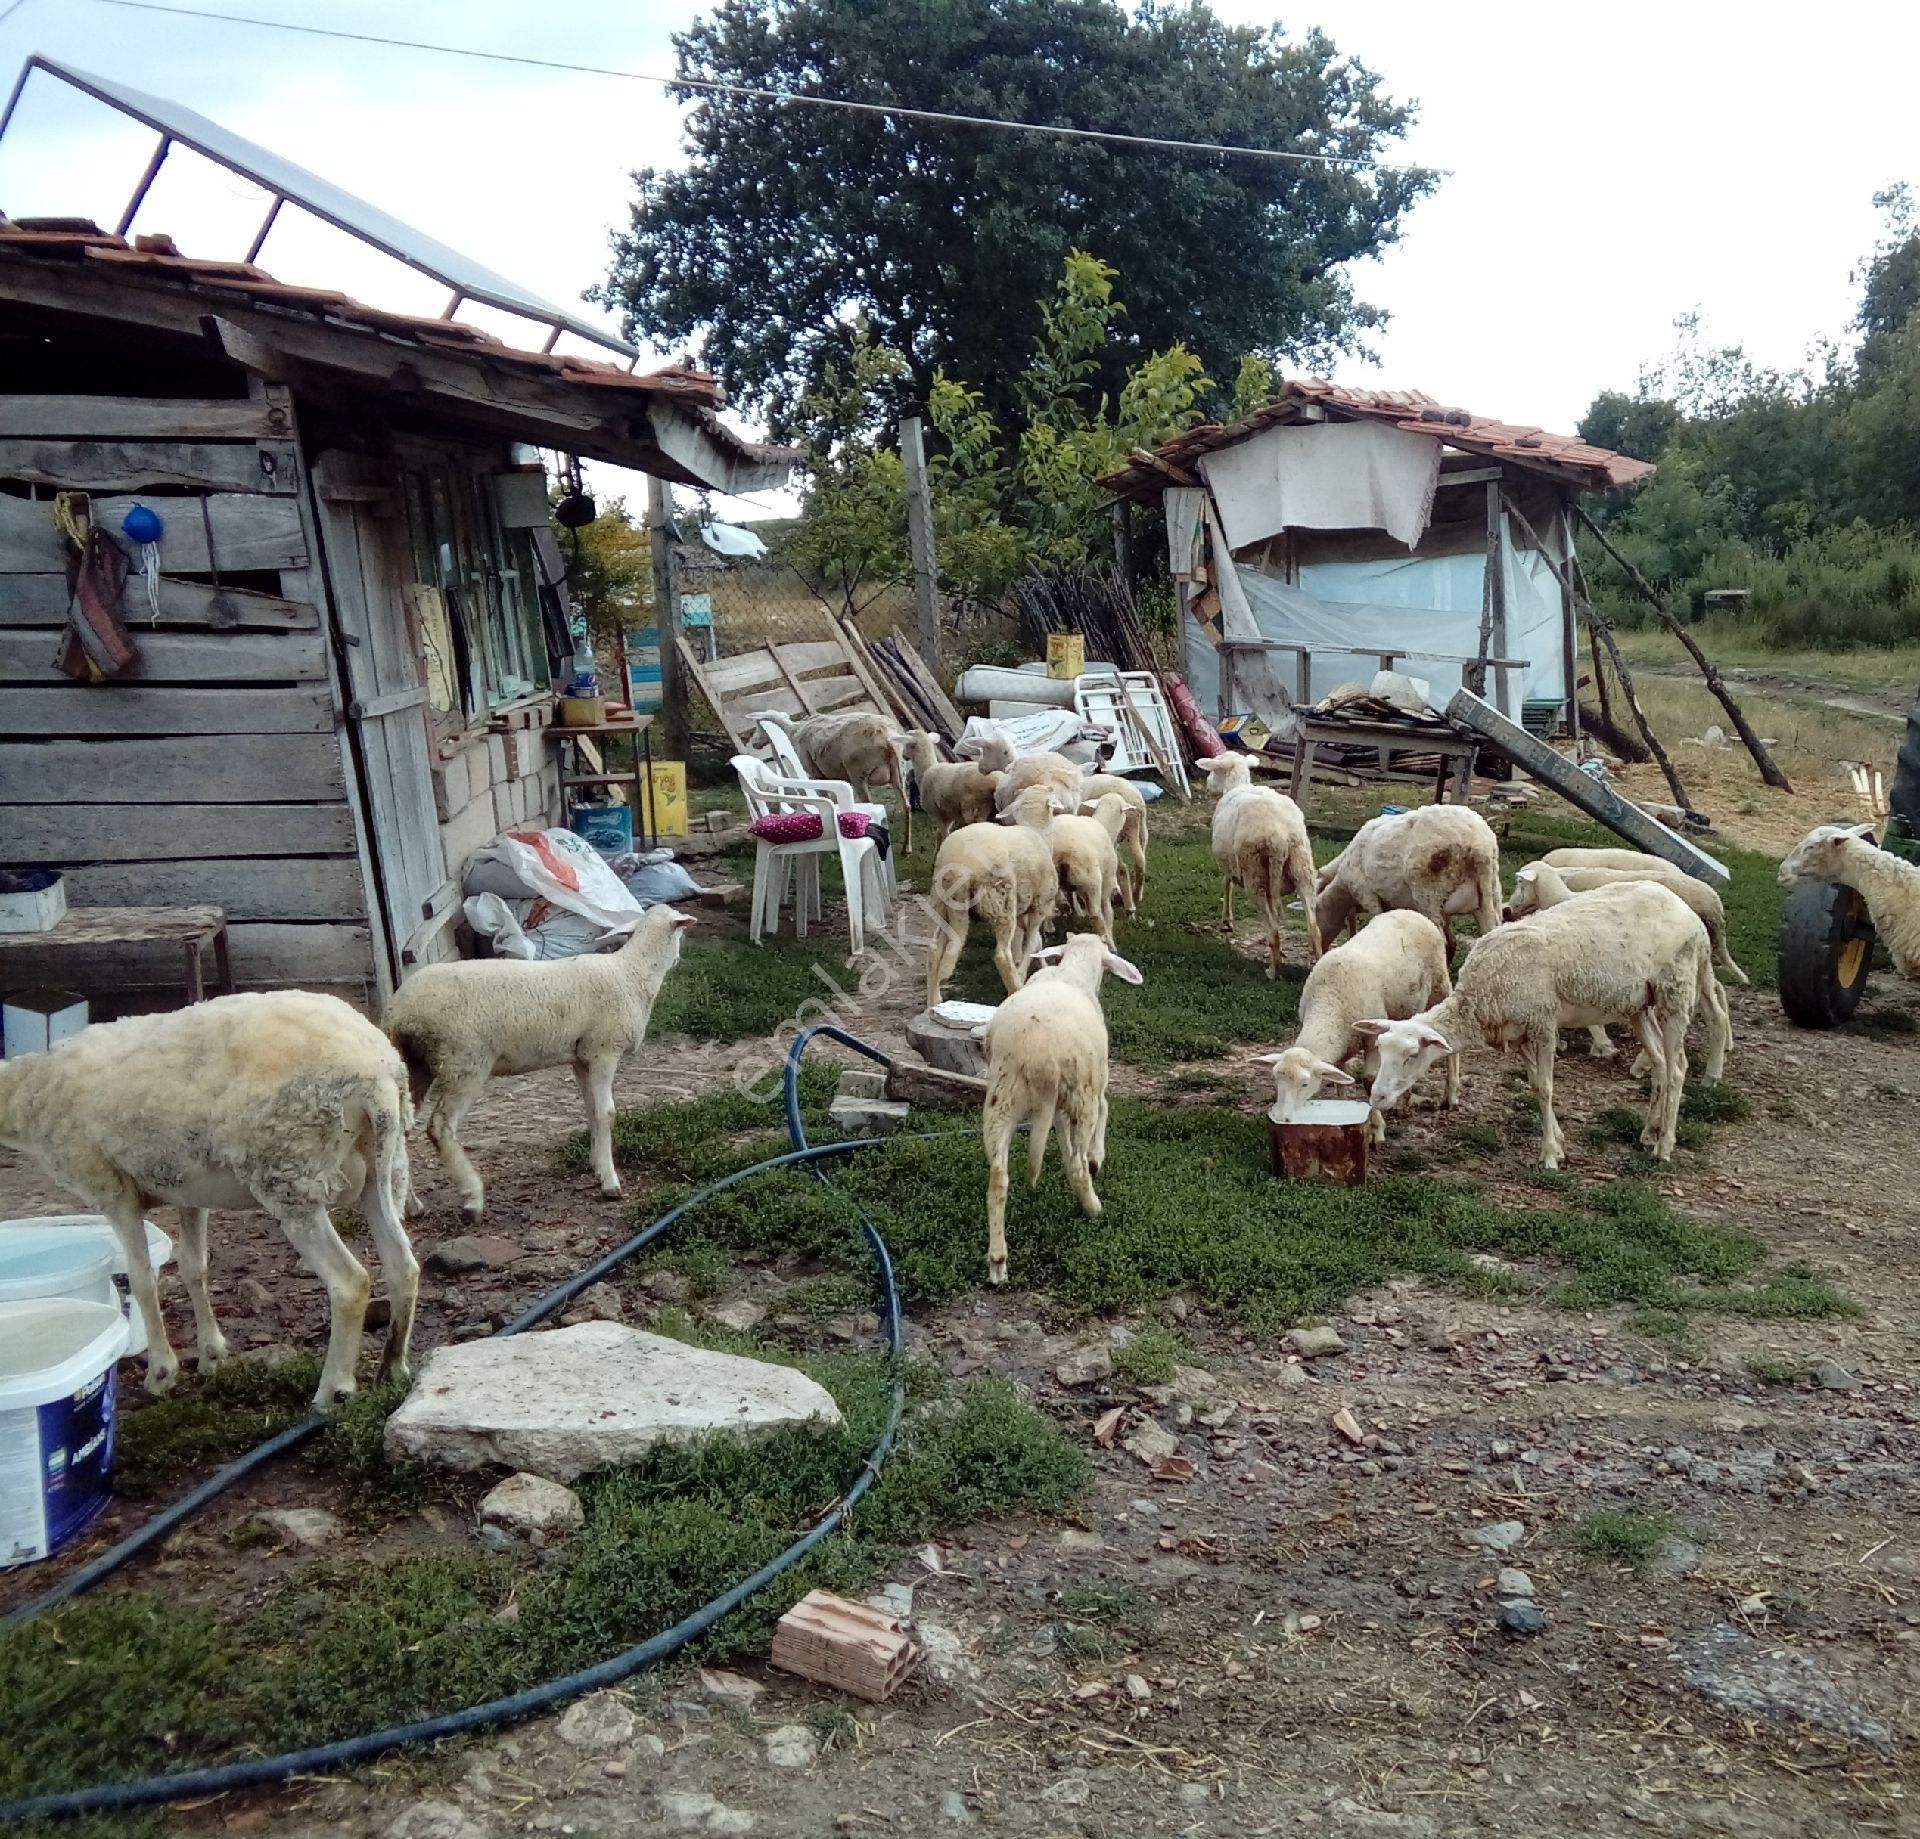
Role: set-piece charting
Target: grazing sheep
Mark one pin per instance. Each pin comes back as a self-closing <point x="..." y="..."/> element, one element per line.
<point x="1440" y="860"/>
<point x="1540" y="885"/>
<point x="851" y="744"/>
<point x="456" y="1025"/>
<point x="1639" y="859"/>
<point x="288" y="1102"/>
<point x="1395" y="966"/>
<point x="1133" y="833"/>
<point x="1052" y="770"/>
<point x="1047" y="1063"/>
<point x="950" y="794"/>
<point x="1635" y="953"/>
<point x="1084" y="854"/>
<point x="1002" y="874"/>
<point x="1848" y="855"/>
<point x="1260" y="842"/>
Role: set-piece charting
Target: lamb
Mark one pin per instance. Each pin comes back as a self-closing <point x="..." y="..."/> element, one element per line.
<point x="1540" y="885"/>
<point x="1047" y="1063"/>
<point x="456" y="1025"/>
<point x="1052" y="770"/>
<point x="288" y="1102"/>
<point x="1637" y="859"/>
<point x="1084" y="853"/>
<point x="1260" y="842"/>
<point x="998" y="873"/>
<point x="1395" y="966"/>
<point x="851" y="744"/>
<point x="1848" y="855"/>
<point x="1440" y="860"/>
<point x="1133" y="833"/>
<point x="951" y="794"/>
<point x="1633" y="953"/>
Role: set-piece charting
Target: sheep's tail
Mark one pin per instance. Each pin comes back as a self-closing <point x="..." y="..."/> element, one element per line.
<point x="1724" y="958"/>
<point x="419" y="1070"/>
<point x="1039" y="1128"/>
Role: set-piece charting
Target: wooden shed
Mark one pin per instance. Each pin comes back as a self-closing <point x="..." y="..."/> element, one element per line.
<point x="344" y="689"/>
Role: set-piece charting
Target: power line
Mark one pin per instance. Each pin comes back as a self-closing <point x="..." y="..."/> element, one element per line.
<point x="786" y="98"/>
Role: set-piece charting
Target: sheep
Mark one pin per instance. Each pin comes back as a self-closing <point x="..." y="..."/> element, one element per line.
<point x="1084" y="853"/>
<point x="851" y="744"/>
<point x="1260" y="842"/>
<point x="951" y="794"/>
<point x="1541" y="885"/>
<point x="287" y="1101"/>
<point x="1052" y="770"/>
<point x="1848" y="855"/>
<point x="1047" y="1064"/>
<point x="1633" y="953"/>
<point x="1440" y="860"/>
<point x="998" y="873"/>
<point x="1637" y="859"/>
<point x="1395" y="966"/>
<point x="456" y="1025"/>
<point x="1133" y="834"/>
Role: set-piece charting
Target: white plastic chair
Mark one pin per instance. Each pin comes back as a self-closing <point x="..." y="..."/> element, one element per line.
<point x="778" y="866"/>
<point x="787" y="762"/>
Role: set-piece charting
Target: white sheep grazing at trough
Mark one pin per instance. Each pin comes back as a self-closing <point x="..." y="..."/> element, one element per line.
<point x="1847" y="854"/>
<point x="1636" y="953"/>
<point x="1047" y="1064"/>
<point x="1133" y="833"/>
<point x="1395" y="966"/>
<point x="1002" y="874"/>
<point x="287" y="1102"/>
<point x="951" y="793"/>
<point x="851" y="744"/>
<point x="1440" y="860"/>
<point x="1540" y="885"/>
<point x="1052" y="770"/>
<point x="1260" y="843"/>
<point x="1085" y="854"/>
<point x="456" y="1025"/>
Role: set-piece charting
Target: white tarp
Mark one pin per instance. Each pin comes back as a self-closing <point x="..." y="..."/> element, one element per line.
<point x="1186" y="507"/>
<point x="1355" y="475"/>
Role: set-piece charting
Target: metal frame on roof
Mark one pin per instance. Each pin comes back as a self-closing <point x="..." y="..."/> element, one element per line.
<point x="287" y="183"/>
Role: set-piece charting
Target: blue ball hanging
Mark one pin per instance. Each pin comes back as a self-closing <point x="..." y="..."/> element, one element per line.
<point x="142" y="525"/>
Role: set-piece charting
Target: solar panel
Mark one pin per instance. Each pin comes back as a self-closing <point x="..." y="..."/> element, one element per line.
<point x="291" y="184"/>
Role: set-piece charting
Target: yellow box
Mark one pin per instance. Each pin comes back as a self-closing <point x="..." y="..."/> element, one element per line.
<point x="667" y="798"/>
<point x="1066" y="654"/>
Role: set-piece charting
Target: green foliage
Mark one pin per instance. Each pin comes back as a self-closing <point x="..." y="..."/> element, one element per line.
<point x="1252" y="386"/>
<point x="610" y="571"/>
<point x="1775" y="1369"/>
<point x="1623" y="1537"/>
<point x="1149" y="1355"/>
<point x="782" y="226"/>
<point x="205" y="1422"/>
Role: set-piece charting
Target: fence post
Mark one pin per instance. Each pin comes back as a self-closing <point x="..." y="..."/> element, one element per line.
<point x="926" y="604"/>
<point x="666" y="605"/>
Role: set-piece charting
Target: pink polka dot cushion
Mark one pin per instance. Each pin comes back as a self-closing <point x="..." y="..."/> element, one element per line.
<point x="804" y="826"/>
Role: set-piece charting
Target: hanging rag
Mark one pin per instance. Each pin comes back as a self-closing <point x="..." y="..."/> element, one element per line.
<point x="95" y="644"/>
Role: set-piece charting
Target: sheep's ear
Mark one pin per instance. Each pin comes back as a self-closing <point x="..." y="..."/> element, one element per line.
<point x="1372" y="1030"/>
<point x="1119" y="967"/>
<point x="1333" y="1075"/>
<point x="1048" y="954"/>
<point x="1432" y="1037"/>
<point x="1528" y="875"/>
<point x="1272" y="1059"/>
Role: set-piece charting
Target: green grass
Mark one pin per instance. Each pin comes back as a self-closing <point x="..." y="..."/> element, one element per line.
<point x="1775" y="1369"/>
<point x="1112" y="1605"/>
<point x="1149" y="1355"/>
<point x="1621" y="1536"/>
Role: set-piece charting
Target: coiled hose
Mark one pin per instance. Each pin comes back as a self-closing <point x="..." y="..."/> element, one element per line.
<point x="258" y="1771"/>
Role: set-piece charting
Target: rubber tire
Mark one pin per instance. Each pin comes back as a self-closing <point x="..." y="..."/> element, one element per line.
<point x="1818" y="923"/>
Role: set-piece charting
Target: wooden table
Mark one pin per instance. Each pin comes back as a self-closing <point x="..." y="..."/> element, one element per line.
<point x="1456" y="750"/>
<point x="582" y="748"/>
<point x="82" y="929"/>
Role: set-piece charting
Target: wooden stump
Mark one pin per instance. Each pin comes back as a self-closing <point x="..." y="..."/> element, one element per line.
<point x="1327" y="1142"/>
<point x="947" y="1045"/>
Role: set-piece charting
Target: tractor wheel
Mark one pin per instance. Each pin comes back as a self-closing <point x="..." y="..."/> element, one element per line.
<point x="1826" y="947"/>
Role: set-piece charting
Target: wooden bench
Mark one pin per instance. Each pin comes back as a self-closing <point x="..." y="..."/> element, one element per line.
<point x="188" y="930"/>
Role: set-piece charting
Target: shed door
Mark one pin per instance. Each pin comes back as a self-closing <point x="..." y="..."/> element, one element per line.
<point x="363" y="532"/>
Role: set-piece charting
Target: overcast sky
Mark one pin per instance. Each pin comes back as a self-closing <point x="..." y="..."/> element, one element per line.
<point x="1608" y="167"/>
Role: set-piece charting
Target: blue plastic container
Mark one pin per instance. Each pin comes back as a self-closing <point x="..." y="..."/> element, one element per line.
<point x="609" y="828"/>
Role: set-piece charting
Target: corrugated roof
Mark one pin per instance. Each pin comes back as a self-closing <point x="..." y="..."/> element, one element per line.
<point x="1564" y="456"/>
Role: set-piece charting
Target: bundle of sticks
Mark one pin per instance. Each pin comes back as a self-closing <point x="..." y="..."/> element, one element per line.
<point x="1099" y="606"/>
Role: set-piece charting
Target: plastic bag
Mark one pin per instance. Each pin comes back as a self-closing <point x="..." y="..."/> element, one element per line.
<point x="568" y="871"/>
<point x="491" y="918"/>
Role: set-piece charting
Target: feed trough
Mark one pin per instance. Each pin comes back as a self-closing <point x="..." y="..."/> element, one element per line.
<point x="1326" y="1140"/>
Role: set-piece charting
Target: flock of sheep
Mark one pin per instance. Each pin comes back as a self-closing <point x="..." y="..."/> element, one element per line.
<point x="295" y="1104"/>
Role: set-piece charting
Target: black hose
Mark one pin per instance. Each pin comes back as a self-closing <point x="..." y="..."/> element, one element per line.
<point x="258" y="1771"/>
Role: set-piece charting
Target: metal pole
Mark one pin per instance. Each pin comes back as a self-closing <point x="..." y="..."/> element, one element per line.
<point x="146" y="184"/>
<point x="913" y="456"/>
<point x="666" y="606"/>
<point x="266" y="224"/>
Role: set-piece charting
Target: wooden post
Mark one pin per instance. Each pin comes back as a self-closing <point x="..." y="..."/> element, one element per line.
<point x="1493" y="612"/>
<point x="1122" y="547"/>
<point x="1570" y="636"/>
<point x="674" y="722"/>
<point x="926" y="604"/>
<point x="1754" y="745"/>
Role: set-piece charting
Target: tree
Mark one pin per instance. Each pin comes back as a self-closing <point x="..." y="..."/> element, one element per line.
<point x="787" y="224"/>
<point x="610" y="572"/>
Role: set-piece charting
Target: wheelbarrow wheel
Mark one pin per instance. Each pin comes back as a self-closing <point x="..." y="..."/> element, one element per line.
<point x="1826" y="949"/>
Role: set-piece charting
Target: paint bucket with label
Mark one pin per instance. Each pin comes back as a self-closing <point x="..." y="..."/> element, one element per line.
<point x="58" y="1256"/>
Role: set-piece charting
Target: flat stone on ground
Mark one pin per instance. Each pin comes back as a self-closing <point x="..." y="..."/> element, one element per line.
<point x="1765" y="1679"/>
<point x="474" y="1251"/>
<point x="530" y="1504"/>
<point x="598" y="1723"/>
<point x="563" y="1402"/>
<point x="312" y="1527"/>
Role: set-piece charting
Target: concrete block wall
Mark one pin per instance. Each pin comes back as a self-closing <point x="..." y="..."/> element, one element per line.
<point x="496" y="782"/>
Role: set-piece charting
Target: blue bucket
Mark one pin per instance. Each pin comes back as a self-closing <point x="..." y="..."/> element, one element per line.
<point x="609" y="828"/>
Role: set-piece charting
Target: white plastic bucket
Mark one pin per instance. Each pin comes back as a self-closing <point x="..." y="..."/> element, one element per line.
<point x="57" y="1397"/>
<point x="67" y="1238"/>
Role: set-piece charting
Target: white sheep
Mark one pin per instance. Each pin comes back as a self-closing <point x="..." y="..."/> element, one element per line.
<point x="1395" y="966"/>
<point x="1609" y="858"/>
<point x="1541" y="884"/>
<point x="1052" y="770"/>
<point x="1133" y="833"/>
<point x="951" y="793"/>
<point x="287" y="1101"/>
<point x="1002" y="874"/>
<point x="1085" y="856"/>
<point x="1047" y="1064"/>
<point x="1440" y="860"/>
<point x="1260" y="843"/>
<point x="456" y="1025"/>
<point x="851" y="744"/>
<point x="1634" y="953"/>
<point x="1848" y="855"/>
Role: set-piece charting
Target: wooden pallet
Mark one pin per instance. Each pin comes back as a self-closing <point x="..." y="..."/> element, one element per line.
<point x="800" y="678"/>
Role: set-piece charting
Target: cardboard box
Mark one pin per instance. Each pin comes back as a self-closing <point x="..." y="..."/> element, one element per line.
<point x="1246" y="732"/>
<point x="32" y="900"/>
<point x="667" y="798"/>
<point x="31" y="1021"/>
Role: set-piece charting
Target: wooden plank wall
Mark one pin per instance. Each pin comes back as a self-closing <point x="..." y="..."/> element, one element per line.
<point x="212" y="771"/>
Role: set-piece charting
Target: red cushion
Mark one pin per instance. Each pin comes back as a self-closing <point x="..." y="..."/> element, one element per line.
<point x="804" y="826"/>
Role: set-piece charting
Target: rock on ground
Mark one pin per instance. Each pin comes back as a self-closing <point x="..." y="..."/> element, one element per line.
<point x="1316" y="1343"/>
<point x="1501" y="1536"/>
<point x="561" y="1402"/>
<point x="1765" y="1680"/>
<point x="533" y="1507"/>
<point x="312" y="1527"/>
<point x="436" y="1820"/>
<point x="598" y="1723"/>
<point x="1085" y="1365"/>
<point x="792" y="1746"/>
<point x="475" y="1251"/>
<point x="701" y="1813"/>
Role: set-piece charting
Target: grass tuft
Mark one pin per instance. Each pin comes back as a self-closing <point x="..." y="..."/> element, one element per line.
<point x="1149" y="1355"/>
<point x="1624" y="1537"/>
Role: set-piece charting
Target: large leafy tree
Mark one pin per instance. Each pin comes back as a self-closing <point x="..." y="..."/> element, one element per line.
<point x="788" y="224"/>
